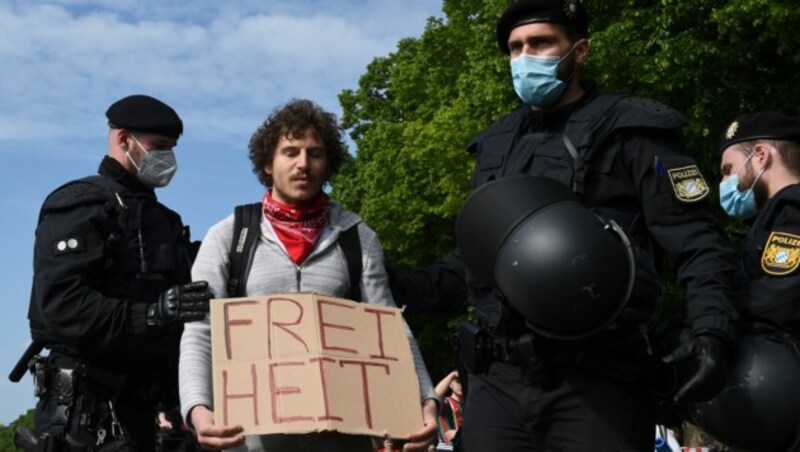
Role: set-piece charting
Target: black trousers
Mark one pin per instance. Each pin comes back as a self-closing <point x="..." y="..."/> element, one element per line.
<point x="509" y="409"/>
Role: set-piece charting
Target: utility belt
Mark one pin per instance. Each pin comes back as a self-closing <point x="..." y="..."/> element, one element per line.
<point x="59" y="374"/>
<point x="478" y="347"/>
<point x="79" y="401"/>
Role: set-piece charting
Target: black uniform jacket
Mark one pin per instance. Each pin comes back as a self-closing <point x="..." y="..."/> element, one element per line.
<point x="769" y="261"/>
<point x="105" y="249"/>
<point x="637" y="172"/>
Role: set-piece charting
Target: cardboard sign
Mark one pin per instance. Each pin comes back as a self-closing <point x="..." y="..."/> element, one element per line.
<point x="301" y="362"/>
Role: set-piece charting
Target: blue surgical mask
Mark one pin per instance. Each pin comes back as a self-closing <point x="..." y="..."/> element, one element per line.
<point x="536" y="78"/>
<point x="738" y="204"/>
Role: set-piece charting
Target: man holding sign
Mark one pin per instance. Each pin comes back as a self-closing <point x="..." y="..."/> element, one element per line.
<point x="298" y="249"/>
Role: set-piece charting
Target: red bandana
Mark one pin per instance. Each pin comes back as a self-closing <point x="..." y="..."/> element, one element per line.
<point x="298" y="227"/>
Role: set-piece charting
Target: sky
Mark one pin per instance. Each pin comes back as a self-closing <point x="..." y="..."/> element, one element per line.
<point x="224" y="66"/>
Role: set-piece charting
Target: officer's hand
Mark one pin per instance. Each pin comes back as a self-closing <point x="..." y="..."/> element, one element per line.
<point x="710" y="355"/>
<point x="185" y="303"/>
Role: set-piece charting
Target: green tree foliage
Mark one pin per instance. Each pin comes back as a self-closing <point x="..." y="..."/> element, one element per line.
<point x="412" y="116"/>
<point x="710" y="59"/>
<point x="415" y="110"/>
<point x="7" y="432"/>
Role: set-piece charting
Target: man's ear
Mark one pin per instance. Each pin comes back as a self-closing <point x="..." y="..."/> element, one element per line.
<point x="763" y="154"/>
<point x="121" y="138"/>
<point x="581" y="51"/>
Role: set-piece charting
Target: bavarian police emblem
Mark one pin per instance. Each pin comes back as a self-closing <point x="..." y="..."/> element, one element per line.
<point x="731" y="132"/>
<point x="570" y="6"/>
<point x="781" y="254"/>
<point x="688" y="183"/>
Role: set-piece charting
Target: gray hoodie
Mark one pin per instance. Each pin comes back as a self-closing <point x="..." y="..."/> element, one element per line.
<point x="324" y="271"/>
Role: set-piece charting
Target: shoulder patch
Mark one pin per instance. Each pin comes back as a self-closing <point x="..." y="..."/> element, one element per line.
<point x="688" y="183"/>
<point x="71" y="244"/>
<point x="781" y="254"/>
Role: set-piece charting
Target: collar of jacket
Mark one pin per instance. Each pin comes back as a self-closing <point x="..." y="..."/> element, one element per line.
<point x="554" y="120"/>
<point x="109" y="167"/>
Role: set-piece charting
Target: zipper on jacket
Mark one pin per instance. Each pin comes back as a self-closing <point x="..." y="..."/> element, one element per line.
<point x="299" y="268"/>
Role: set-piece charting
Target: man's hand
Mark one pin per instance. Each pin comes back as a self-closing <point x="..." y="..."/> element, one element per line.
<point x="185" y="303"/>
<point x="209" y="435"/>
<point x="163" y="422"/>
<point x="710" y="355"/>
<point x="419" y="440"/>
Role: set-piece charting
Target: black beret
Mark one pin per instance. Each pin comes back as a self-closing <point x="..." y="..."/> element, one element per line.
<point x="763" y="125"/>
<point x="569" y="13"/>
<point x="141" y="113"/>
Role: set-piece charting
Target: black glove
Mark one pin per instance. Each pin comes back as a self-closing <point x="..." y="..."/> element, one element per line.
<point x="710" y="357"/>
<point x="185" y="303"/>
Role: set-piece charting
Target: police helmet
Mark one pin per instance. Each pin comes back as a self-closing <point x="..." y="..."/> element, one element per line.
<point x="759" y="407"/>
<point x="568" y="271"/>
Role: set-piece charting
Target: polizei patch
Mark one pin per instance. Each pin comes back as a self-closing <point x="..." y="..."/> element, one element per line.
<point x="688" y="183"/>
<point x="781" y="254"/>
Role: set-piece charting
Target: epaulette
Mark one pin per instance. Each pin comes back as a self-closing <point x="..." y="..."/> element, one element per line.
<point x="89" y="190"/>
<point x="642" y="112"/>
<point x="75" y="193"/>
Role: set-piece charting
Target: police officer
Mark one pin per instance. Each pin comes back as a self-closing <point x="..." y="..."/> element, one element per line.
<point x="759" y="409"/>
<point x="112" y="289"/>
<point x="621" y="156"/>
<point x="760" y="167"/>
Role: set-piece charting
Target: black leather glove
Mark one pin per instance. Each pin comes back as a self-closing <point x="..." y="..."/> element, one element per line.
<point x="185" y="303"/>
<point x="710" y="356"/>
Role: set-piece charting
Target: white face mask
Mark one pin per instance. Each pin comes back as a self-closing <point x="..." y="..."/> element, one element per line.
<point x="157" y="166"/>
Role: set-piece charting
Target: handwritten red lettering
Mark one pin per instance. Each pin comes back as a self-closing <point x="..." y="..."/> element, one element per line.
<point x="284" y="326"/>
<point x="378" y="313"/>
<point x="323" y="325"/>
<point x="365" y="384"/>
<point x="234" y="322"/>
<point x="327" y="416"/>
<point x="276" y="391"/>
<point x="251" y="395"/>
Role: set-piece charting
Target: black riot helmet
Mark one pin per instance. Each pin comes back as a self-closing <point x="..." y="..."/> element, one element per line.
<point x="568" y="271"/>
<point x="759" y="407"/>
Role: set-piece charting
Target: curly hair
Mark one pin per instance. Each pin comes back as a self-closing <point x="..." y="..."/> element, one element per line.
<point x="293" y="120"/>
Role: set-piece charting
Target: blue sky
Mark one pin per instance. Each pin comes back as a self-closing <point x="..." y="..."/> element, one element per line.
<point x="223" y="65"/>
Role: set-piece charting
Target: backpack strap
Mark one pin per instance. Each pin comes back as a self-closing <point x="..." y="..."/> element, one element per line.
<point x="246" y="227"/>
<point x="351" y="247"/>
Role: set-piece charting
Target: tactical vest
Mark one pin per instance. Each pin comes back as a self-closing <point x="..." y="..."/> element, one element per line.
<point x="780" y="311"/>
<point x="147" y="251"/>
<point x="582" y="154"/>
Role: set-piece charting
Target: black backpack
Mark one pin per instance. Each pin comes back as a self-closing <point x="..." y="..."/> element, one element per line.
<point x="246" y="227"/>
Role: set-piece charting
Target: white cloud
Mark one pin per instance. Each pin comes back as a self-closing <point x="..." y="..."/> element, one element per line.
<point x="66" y="60"/>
